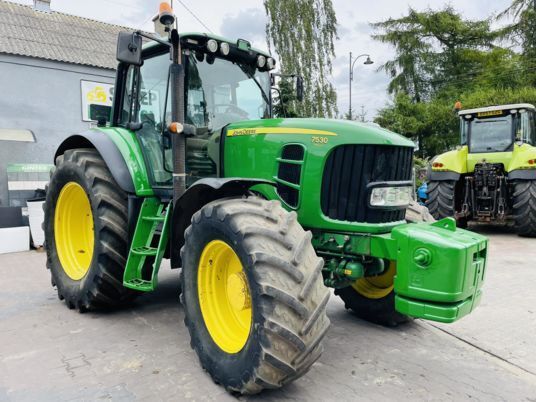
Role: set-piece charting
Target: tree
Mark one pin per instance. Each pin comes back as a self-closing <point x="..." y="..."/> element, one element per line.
<point x="522" y="32"/>
<point x="302" y="33"/>
<point x="450" y="59"/>
<point x="432" y="50"/>
<point x="285" y="99"/>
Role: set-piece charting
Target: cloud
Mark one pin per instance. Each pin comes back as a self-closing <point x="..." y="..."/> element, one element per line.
<point x="248" y="24"/>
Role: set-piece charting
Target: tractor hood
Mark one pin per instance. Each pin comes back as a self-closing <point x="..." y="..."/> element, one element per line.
<point x="325" y="130"/>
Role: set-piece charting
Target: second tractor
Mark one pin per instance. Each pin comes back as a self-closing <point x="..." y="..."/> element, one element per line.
<point x="491" y="176"/>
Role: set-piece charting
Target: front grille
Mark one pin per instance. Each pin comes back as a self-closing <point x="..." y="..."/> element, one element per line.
<point x="348" y="171"/>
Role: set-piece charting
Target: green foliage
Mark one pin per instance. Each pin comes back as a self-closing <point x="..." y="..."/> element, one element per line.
<point x="441" y="58"/>
<point x="420" y="166"/>
<point x="522" y="32"/>
<point x="302" y="33"/>
<point x="285" y="100"/>
<point x="491" y="96"/>
<point x="432" y="47"/>
<point x="432" y="125"/>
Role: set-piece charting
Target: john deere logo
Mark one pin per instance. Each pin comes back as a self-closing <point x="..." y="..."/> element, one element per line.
<point x="245" y="131"/>
<point x="276" y="130"/>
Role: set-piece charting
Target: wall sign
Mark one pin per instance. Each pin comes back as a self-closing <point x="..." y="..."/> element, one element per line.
<point x="95" y="93"/>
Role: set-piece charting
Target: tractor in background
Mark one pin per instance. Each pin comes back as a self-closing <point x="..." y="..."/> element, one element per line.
<point x="491" y="176"/>
<point x="261" y="215"/>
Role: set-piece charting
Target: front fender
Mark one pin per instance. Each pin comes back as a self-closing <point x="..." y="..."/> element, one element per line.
<point x="196" y="197"/>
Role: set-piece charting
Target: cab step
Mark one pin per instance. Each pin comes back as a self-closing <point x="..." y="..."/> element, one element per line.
<point x="148" y="245"/>
<point x="145" y="251"/>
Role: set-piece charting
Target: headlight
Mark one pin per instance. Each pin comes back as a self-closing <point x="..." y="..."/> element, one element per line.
<point x="212" y="46"/>
<point x="270" y="63"/>
<point x="261" y="61"/>
<point x="386" y="197"/>
<point x="224" y="48"/>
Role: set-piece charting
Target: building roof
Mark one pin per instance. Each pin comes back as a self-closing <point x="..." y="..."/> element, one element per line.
<point x="56" y="36"/>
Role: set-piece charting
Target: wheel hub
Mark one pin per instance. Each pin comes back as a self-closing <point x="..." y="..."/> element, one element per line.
<point x="376" y="287"/>
<point x="224" y="296"/>
<point x="238" y="291"/>
<point x="73" y="230"/>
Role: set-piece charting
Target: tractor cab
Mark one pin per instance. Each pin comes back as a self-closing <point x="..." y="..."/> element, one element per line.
<point x="498" y="128"/>
<point x="224" y="82"/>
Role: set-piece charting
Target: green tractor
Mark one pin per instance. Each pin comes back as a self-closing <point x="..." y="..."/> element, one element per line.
<point x="262" y="215"/>
<point x="491" y="177"/>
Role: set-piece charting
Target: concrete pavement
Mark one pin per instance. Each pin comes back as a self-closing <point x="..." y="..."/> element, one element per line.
<point x="50" y="353"/>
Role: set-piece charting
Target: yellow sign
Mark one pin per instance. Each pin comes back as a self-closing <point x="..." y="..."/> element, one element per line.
<point x="490" y="113"/>
<point x="97" y="95"/>
<point x="276" y="130"/>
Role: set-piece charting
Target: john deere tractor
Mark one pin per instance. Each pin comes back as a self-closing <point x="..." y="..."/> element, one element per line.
<point x="262" y="215"/>
<point x="491" y="177"/>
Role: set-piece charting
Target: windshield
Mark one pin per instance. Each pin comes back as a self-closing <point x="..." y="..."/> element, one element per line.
<point x="491" y="134"/>
<point x="224" y="92"/>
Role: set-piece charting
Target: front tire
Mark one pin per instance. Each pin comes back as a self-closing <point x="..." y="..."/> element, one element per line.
<point x="253" y="294"/>
<point x="524" y="207"/>
<point x="86" y="241"/>
<point x="373" y="298"/>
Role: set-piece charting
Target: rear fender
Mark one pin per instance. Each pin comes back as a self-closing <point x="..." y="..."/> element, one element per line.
<point x="121" y="153"/>
<point x="519" y="167"/>
<point x="196" y="197"/>
<point x="454" y="164"/>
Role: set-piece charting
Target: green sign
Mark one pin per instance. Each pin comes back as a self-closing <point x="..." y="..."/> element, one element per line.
<point x="29" y="167"/>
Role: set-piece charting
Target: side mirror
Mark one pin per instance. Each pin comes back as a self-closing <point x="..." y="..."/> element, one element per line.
<point x="129" y="48"/>
<point x="299" y="88"/>
<point x="102" y="114"/>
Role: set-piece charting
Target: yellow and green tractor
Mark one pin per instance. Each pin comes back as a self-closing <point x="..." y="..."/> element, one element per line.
<point x="260" y="215"/>
<point x="491" y="176"/>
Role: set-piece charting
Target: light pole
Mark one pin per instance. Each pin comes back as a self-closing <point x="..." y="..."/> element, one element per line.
<point x="351" y="76"/>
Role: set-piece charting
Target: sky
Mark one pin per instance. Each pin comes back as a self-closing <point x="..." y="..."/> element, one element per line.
<point x="246" y="19"/>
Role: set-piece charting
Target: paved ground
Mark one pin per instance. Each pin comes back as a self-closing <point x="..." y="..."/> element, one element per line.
<point x="48" y="352"/>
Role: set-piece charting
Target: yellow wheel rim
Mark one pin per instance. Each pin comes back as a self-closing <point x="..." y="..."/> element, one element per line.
<point x="73" y="231"/>
<point x="224" y="296"/>
<point x="376" y="287"/>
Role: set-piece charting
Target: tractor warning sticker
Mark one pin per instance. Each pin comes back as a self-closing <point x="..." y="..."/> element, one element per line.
<point x="277" y="130"/>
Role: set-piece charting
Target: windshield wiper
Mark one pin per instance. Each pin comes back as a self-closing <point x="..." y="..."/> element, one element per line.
<point x="252" y="76"/>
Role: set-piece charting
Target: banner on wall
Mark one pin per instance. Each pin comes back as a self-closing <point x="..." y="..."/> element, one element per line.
<point x="95" y="93"/>
<point x="99" y="93"/>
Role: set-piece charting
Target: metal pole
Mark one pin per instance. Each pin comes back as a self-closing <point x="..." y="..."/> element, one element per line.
<point x="350" y="86"/>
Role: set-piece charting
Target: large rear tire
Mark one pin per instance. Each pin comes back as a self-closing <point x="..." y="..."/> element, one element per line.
<point x="441" y="201"/>
<point x="373" y="298"/>
<point x="86" y="240"/>
<point x="253" y="294"/>
<point x="525" y="208"/>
